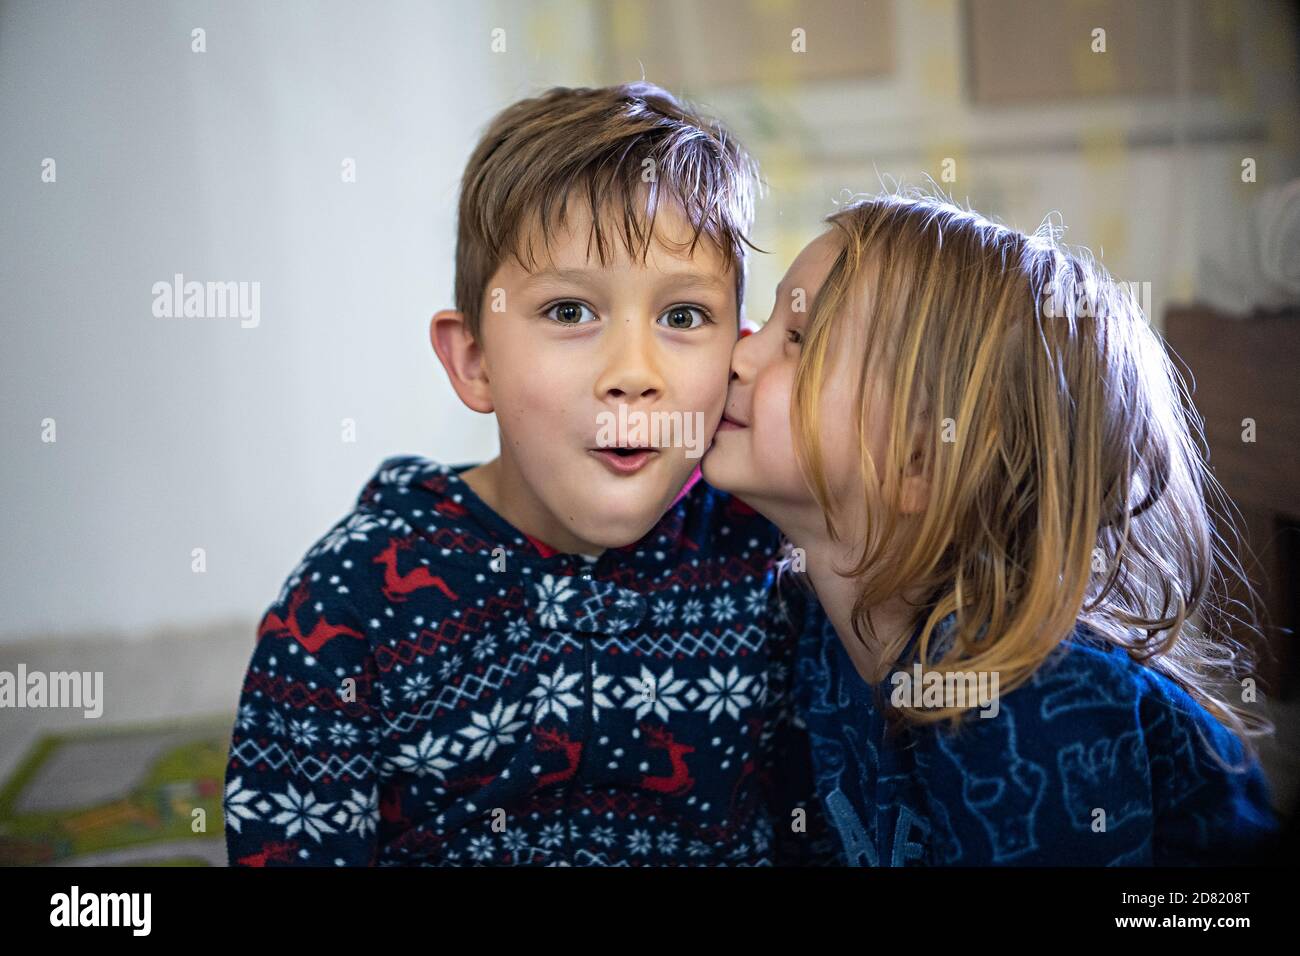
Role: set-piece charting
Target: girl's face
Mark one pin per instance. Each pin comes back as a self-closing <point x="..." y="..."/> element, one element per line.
<point x="752" y="455"/>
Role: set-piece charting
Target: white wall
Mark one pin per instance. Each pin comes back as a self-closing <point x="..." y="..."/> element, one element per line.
<point x="174" y="434"/>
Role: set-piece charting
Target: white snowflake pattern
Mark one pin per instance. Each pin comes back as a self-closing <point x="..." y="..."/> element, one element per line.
<point x="658" y="693"/>
<point x="398" y="475"/>
<point x="599" y="699"/>
<point x="556" y="694"/>
<point x="302" y="813"/>
<point x="662" y="613"/>
<point x="246" y="717"/>
<point x="692" y="611"/>
<point x="302" y="732"/>
<point x="343" y="734"/>
<point x="416" y="686"/>
<point x="552" y="593"/>
<point x="359" y="813"/>
<point x="639" y="841"/>
<point x="481" y="848"/>
<point x="449" y="667"/>
<point x="516" y="841"/>
<point x="424" y="758"/>
<point x="356" y="527"/>
<point x="493" y="729"/>
<point x="730" y="692"/>
<point x="238" y="804"/>
<point x="724" y="608"/>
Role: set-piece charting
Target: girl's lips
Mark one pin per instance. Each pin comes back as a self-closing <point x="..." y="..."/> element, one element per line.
<point x="727" y="424"/>
<point x="624" y="464"/>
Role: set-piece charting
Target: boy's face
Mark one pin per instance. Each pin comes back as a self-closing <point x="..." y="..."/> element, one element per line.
<point x="572" y="341"/>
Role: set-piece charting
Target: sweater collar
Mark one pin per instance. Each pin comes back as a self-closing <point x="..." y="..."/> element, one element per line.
<point x="563" y="590"/>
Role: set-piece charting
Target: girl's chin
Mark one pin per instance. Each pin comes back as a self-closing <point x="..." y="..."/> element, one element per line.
<point x="736" y="479"/>
<point x="724" y="471"/>
<point x="718" y="469"/>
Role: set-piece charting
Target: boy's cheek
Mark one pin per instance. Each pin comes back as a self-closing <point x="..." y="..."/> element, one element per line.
<point x="705" y="381"/>
<point x="527" y="410"/>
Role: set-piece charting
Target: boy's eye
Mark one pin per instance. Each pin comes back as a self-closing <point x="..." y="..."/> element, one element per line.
<point x="683" y="317"/>
<point x="569" y="313"/>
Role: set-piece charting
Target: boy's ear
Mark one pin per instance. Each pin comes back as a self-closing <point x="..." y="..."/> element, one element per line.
<point x="463" y="359"/>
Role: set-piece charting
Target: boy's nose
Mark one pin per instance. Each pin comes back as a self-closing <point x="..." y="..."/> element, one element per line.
<point x="630" y="379"/>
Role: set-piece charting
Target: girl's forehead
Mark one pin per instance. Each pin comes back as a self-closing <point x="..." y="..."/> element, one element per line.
<point x="814" y="261"/>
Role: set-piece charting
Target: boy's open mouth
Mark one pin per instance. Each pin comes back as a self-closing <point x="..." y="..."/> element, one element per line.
<point x="624" y="461"/>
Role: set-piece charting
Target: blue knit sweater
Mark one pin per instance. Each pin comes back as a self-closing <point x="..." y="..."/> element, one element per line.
<point x="1097" y="760"/>
<point x="432" y="686"/>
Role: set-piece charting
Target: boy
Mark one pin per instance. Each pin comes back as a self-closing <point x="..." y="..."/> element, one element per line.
<point x="572" y="654"/>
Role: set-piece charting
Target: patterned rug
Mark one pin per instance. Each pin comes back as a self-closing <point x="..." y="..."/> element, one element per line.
<point x="121" y="796"/>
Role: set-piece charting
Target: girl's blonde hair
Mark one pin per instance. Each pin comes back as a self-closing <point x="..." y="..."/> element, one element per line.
<point x="1066" y="480"/>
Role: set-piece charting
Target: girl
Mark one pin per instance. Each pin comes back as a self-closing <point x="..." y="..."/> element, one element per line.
<point x="979" y="453"/>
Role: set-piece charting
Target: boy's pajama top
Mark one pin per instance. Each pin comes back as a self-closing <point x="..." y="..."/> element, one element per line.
<point x="434" y="687"/>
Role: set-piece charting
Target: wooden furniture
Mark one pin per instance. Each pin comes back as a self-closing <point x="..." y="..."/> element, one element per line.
<point x="1245" y="370"/>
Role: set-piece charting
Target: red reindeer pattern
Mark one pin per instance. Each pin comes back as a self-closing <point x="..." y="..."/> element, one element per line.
<point x="679" y="781"/>
<point x="277" y="852"/>
<point x="321" y="633"/>
<point x="398" y="587"/>
<point x="554" y="740"/>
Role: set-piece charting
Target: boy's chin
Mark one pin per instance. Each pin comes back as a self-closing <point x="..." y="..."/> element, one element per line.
<point x="617" y="526"/>
<point x="620" y="511"/>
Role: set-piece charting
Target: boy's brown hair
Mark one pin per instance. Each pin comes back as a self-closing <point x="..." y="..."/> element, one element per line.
<point x="621" y="148"/>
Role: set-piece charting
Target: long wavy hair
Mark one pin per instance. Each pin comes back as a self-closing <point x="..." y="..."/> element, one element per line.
<point x="1068" y="483"/>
